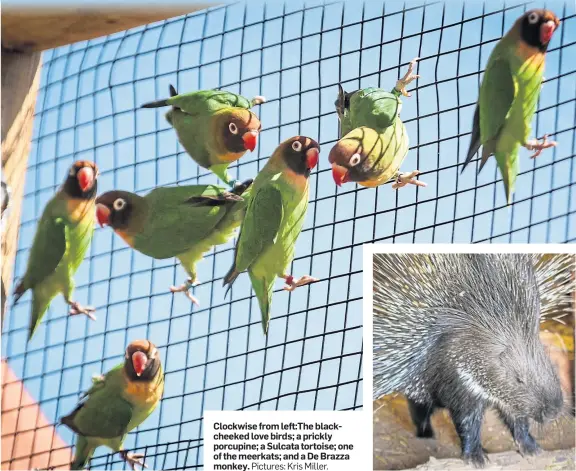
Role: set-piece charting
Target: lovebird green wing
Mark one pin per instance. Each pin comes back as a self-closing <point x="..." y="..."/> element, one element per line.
<point x="490" y="129"/>
<point x="103" y="418"/>
<point x="374" y="108"/>
<point x="259" y="231"/>
<point x="47" y="249"/>
<point x="496" y="99"/>
<point x="207" y="101"/>
<point x="57" y="251"/>
<point x="176" y="221"/>
<point x="260" y="226"/>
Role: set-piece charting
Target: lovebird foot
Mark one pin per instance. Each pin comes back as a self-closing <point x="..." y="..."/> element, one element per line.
<point x="77" y="308"/>
<point x="184" y="288"/>
<point x="292" y="284"/>
<point x="258" y="100"/>
<point x="402" y="83"/>
<point x="403" y="179"/>
<point x="536" y="145"/>
<point x="133" y="459"/>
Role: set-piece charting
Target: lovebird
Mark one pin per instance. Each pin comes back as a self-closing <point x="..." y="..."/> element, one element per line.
<point x="177" y="221"/>
<point x="215" y="127"/>
<point x="509" y="96"/>
<point x="117" y="403"/>
<point x="62" y="238"/>
<point x="373" y="139"/>
<point x="274" y="218"/>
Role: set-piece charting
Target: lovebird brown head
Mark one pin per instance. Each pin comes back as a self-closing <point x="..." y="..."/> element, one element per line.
<point x="116" y="209"/>
<point x="300" y="154"/>
<point x="141" y="361"/>
<point x="81" y="181"/>
<point x="239" y="129"/>
<point x="537" y="27"/>
<point x="361" y="156"/>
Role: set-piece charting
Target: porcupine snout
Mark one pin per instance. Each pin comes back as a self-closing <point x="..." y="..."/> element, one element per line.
<point x="550" y="398"/>
<point x="534" y="389"/>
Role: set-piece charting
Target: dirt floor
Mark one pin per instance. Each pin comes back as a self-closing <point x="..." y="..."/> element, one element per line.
<point x="397" y="447"/>
<point x="548" y="460"/>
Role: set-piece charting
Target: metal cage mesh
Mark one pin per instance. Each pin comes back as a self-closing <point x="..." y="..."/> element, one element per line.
<point x="215" y="356"/>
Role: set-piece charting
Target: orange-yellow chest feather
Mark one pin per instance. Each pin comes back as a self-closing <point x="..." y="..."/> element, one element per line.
<point x="79" y="209"/>
<point x="374" y="183"/>
<point x="532" y="58"/>
<point x="299" y="182"/>
<point x="144" y="393"/>
<point x="229" y="157"/>
<point x="126" y="237"/>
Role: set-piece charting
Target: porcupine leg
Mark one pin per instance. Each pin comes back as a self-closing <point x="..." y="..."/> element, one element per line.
<point x="421" y="414"/>
<point x="520" y="430"/>
<point x="468" y="423"/>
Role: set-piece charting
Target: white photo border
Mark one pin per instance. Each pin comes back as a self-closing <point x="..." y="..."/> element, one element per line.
<point x="367" y="302"/>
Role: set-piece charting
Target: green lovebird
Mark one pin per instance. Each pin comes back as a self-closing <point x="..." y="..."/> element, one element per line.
<point x="274" y="218"/>
<point x="62" y="238"/>
<point x="117" y="403"/>
<point x="509" y="95"/>
<point x="373" y="139"/>
<point x="178" y="221"/>
<point x="215" y="127"/>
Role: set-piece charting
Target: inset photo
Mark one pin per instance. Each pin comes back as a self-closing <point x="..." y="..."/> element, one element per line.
<point x="473" y="357"/>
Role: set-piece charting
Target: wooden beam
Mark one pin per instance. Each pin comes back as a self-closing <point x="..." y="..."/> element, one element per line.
<point x="20" y="81"/>
<point x="37" y="29"/>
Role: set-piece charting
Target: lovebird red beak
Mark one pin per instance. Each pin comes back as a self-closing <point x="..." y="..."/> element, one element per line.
<point x="250" y="139"/>
<point x="546" y="31"/>
<point x="312" y="157"/>
<point x="102" y="214"/>
<point x="340" y="174"/>
<point x="85" y="178"/>
<point x="139" y="360"/>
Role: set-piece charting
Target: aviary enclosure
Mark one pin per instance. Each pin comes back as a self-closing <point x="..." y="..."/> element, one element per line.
<point x="295" y="54"/>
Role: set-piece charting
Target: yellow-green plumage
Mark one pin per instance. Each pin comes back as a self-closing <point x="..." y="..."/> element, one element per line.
<point x="273" y="222"/>
<point x="373" y="139"/>
<point x="61" y="241"/>
<point x="114" y="406"/>
<point x="384" y="152"/>
<point x="181" y="221"/>
<point x="508" y="100"/>
<point x="202" y="121"/>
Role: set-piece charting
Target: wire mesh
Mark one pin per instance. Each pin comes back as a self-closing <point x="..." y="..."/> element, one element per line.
<point x="215" y="356"/>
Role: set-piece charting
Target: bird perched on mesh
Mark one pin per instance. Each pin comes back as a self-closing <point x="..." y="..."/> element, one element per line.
<point x="61" y="241"/>
<point x="509" y="95"/>
<point x="117" y="403"/>
<point x="373" y="139"/>
<point x="461" y="331"/>
<point x="215" y="127"/>
<point x="177" y="221"/>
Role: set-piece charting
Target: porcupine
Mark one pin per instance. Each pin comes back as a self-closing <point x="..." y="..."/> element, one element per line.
<point x="461" y="331"/>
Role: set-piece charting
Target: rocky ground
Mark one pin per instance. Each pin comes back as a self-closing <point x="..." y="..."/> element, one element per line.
<point x="397" y="447"/>
<point x="510" y="460"/>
